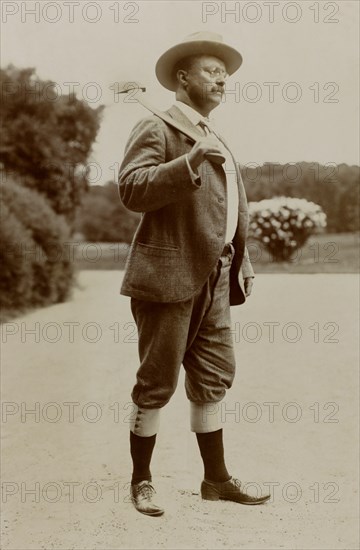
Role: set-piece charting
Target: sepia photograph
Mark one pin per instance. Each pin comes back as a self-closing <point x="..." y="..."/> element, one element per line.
<point x="180" y="298"/>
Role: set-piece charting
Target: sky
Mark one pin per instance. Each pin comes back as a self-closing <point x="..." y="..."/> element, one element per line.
<point x="295" y="97"/>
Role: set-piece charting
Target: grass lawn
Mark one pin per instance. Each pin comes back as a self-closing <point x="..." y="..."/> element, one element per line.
<point x="327" y="253"/>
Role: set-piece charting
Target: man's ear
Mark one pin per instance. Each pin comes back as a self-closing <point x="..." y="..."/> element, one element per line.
<point x="181" y="76"/>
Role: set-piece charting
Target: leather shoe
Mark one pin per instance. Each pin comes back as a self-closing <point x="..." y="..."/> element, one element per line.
<point x="229" y="490"/>
<point x="141" y="495"/>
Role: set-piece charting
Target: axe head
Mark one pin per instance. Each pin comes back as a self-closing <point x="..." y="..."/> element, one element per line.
<point x="127" y="86"/>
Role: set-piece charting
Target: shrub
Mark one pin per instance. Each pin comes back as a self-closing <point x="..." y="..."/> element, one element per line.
<point x="17" y="276"/>
<point x="284" y="224"/>
<point x="39" y="239"/>
<point x="334" y="187"/>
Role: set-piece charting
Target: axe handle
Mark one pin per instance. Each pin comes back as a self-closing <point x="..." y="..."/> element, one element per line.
<point x="213" y="157"/>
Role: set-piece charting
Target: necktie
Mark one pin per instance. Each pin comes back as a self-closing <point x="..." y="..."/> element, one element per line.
<point x="206" y="128"/>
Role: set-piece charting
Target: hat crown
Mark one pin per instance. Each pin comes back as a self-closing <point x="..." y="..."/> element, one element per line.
<point x="204" y="35"/>
<point x="197" y="43"/>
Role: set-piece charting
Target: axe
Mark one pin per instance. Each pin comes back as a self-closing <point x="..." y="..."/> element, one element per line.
<point x="126" y="87"/>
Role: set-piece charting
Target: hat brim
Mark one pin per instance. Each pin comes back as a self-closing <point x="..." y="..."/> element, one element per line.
<point x="166" y="63"/>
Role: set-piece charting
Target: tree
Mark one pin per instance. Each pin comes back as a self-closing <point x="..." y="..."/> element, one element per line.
<point x="46" y="137"/>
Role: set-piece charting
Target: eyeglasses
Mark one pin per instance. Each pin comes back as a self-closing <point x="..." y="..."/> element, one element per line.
<point x="216" y="72"/>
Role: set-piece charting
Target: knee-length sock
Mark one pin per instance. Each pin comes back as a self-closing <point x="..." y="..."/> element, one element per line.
<point x="212" y="452"/>
<point x="141" y="449"/>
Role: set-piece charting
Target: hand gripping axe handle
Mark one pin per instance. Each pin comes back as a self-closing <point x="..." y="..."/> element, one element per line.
<point x="126" y="87"/>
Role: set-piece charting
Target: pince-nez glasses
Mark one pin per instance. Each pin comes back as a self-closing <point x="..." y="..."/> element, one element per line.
<point x="217" y="72"/>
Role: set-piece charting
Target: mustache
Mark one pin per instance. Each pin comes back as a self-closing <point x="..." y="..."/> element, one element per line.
<point x="215" y="89"/>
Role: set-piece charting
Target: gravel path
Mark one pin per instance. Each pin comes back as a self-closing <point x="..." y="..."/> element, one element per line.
<point x="291" y="425"/>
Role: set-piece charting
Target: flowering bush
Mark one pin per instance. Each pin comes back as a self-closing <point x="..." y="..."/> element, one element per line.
<point x="284" y="224"/>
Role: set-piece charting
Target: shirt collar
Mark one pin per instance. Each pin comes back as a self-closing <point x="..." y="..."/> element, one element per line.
<point x="191" y="114"/>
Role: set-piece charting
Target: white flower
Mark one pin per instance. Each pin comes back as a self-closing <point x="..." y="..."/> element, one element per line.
<point x="284" y="207"/>
<point x="286" y="221"/>
<point x="284" y="212"/>
<point x="275" y="223"/>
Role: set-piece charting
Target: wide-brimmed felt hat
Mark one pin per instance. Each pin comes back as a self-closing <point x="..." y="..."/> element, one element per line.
<point x="197" y="43"/>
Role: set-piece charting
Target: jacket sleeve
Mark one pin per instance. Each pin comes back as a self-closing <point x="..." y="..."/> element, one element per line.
<point x="146" y="181"/>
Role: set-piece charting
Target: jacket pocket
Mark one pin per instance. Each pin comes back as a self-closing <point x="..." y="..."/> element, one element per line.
<point x="157" y="249"/>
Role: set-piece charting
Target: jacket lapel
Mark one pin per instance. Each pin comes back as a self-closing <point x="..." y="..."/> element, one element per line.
<point x="178" y="115"/>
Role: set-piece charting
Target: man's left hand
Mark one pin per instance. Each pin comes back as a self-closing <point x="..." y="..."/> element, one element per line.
<point x="248" y="284"/>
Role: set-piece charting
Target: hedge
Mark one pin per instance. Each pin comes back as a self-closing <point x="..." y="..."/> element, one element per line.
<point x="36" y="268"/>
<point x="17" y="274"/>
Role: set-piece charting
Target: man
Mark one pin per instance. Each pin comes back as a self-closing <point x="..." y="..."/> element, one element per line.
<point x="183" y="267"/>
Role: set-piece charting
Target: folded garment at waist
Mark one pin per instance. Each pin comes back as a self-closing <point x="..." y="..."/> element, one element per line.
<point x="228" y="250"/>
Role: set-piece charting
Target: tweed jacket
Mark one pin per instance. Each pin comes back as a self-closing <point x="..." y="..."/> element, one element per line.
<point x="181" y="233"/>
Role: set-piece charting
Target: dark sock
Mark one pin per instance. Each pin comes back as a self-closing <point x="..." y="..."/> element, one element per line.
<point x="212" y="452"/>
<point x="141" y="449"/>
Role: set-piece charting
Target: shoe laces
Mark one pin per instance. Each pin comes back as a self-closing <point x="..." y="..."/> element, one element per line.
<point x="145" y="490"/>
<point x="236" y="482"/>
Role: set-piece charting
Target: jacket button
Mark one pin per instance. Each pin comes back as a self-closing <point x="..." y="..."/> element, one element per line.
<point x="219" y="234"/>
<point x="221" y="200"/>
